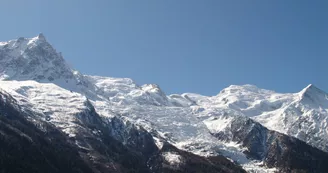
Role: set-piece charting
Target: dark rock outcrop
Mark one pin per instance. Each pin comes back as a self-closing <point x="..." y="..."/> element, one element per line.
<point x="286" y="153"/>
<point x="191" y="163"/>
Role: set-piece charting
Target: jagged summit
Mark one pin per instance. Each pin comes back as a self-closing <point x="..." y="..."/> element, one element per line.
<point x="311" y="89"/>
<point x="23" y="42"/>
<point x="41" y="37"/>
<point x="32" y="59"/>
<point x="314" y="97"/>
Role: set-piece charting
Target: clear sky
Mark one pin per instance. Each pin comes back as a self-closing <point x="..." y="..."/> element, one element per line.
<point x="197" y="46"/>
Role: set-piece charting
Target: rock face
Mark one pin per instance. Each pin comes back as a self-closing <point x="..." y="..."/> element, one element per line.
<point x="171" y="159"/>
<point x="32" y="59"/>
<point x="72" y="122"/>
<point x="275" y="149"/>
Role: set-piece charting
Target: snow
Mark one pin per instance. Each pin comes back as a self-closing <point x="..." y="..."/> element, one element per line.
<point x="185" y="120"/>
<point x="56" y="104"/>
<point x="216" y="125"/>
<point x="159" y="143"/>
<point x="32" y="59"/>
<point x="173" y="158"/>
<point x="258" y="167"/>
<point x="178" y="125"/>
<point x="3" y="98"/>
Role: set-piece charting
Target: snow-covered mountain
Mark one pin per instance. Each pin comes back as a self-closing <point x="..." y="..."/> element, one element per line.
<point x="252" y="127"/>
<point x="302" y="114"/>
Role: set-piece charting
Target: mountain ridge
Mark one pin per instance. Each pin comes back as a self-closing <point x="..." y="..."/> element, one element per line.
<point x="202" y="125"/>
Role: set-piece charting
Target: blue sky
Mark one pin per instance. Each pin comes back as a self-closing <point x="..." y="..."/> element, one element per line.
<point x="183" y="45"/>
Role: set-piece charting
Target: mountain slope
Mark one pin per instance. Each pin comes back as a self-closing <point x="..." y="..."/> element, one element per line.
<point x="115" y="123"/>
<point x="302" y="115"/>
<point x="99" y="145"/>
<point x="26" y="148"/>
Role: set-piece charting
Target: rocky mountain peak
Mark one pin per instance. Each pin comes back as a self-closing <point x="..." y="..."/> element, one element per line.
<point x="31" y="59"/>
<point x="314" y="96"/>
<point x="311" y="89"/>
<point x="41" y="37"/>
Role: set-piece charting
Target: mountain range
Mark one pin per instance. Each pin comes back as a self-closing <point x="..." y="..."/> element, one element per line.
<point x="55" y="119"/>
